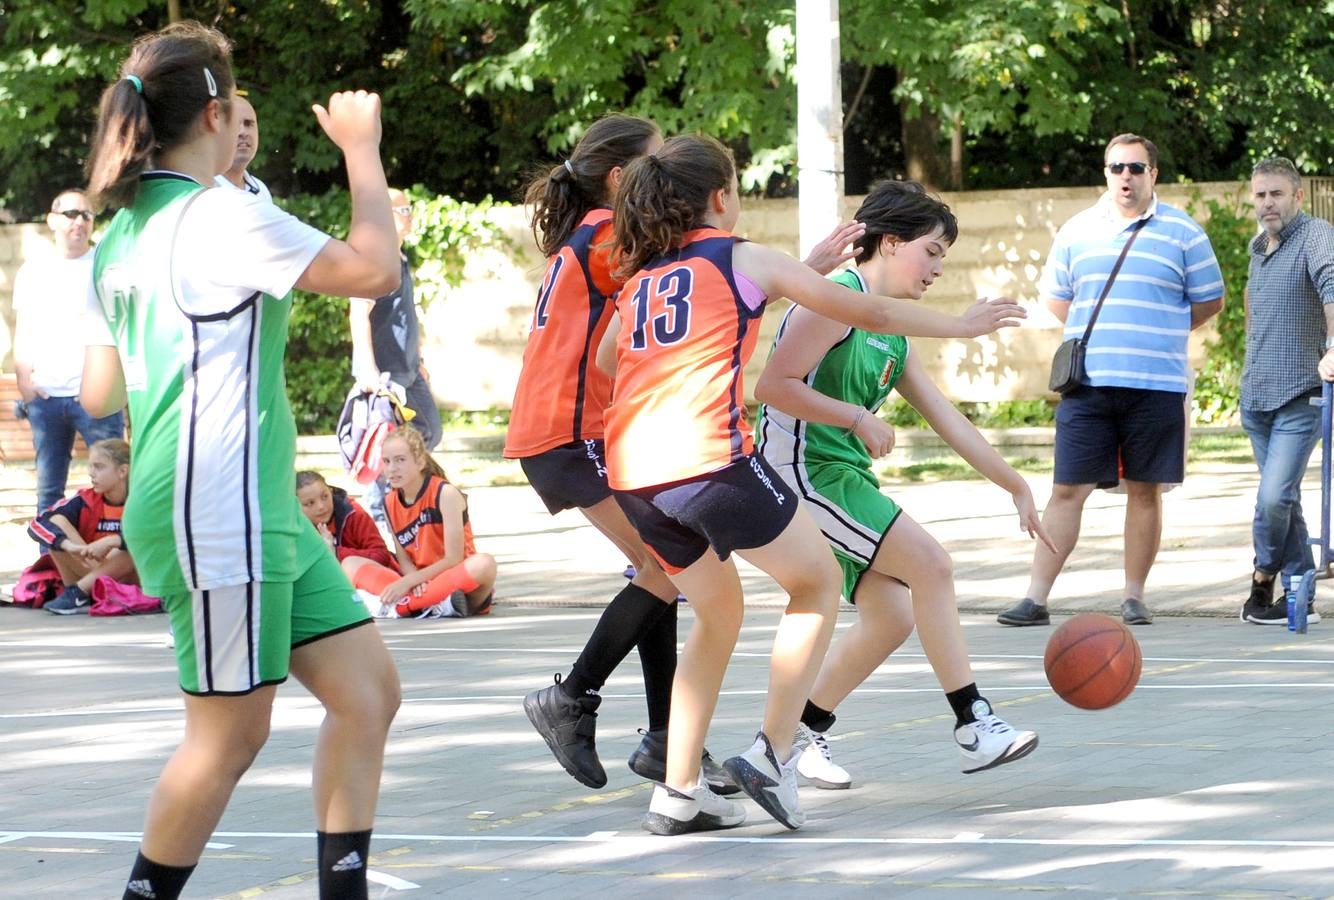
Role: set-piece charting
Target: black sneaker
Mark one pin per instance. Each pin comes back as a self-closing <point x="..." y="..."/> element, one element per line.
<point x="567" y="725"/>
<point x="649" y="762"/>
<point x="1134" y="612"/>
<point x="1273" y="614"/>
<point x="72" y="601"/>
<point x="1261" y="598"/>
<point x="1026" y="612"/>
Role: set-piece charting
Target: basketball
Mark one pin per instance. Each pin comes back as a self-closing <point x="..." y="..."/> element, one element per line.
<point x="1093" y="661"/>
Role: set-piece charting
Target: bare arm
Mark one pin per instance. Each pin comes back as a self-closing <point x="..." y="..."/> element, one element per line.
<point x="102" y="391"/>
<point x="807" y="338"/>
<point x="366" y="264"/>
<point x="1326" y="367"/>
<point x="1203" y="312"/>
<point x="946" y="421"/>
<point x="779" y="275"/>
<point x="1058" y="308"/>
<point x="364" y="369"/>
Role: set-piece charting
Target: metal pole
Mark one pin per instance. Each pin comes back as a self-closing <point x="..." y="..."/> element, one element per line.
<point x="819" y="122"/>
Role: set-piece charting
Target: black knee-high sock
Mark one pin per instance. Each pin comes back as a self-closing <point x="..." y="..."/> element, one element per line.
<point x="961" y="701"/>
<point x="151" y="879"/>
<point x="627" y="617"/>
<point x="343" y="859"/>
<point x="657" y="656"/>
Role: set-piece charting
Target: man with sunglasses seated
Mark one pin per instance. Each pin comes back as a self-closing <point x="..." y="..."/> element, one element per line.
<point x="50" y="296"/>
<point x="1127" y="419"/>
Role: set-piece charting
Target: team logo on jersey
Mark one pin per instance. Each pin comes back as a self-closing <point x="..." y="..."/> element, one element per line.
<point x="888" y="373"/>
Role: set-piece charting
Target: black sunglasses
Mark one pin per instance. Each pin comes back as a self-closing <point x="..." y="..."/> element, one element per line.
<point x="72" y="214"/>
<point x="1136" y="168"/>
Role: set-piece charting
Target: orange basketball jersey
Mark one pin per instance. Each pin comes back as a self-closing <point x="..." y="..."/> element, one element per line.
<point x="561" y="393"/>
<point x="419" y="526"/>
<point x="686" y="333"/>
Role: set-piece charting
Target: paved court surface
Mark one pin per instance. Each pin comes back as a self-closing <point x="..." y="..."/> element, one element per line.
<point x="1212" y="780"/>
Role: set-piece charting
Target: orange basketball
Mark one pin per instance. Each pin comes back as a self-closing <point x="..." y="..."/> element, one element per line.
<point x="1093" y="661"/>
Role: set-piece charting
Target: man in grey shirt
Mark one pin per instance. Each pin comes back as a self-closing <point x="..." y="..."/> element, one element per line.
<point x="1289" y="349"/>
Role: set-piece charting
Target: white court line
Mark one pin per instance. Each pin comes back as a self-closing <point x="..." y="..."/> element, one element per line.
<point x="310" y="703"/>
<point x="392" y="881"/>
<point x="123" y="837"/>
<point x="603" y="837"/>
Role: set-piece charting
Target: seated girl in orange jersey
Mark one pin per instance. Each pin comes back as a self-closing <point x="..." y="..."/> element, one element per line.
<point x="348" y="529"/>
<point x="443" y="574"/>
<point x="83" y="531"/>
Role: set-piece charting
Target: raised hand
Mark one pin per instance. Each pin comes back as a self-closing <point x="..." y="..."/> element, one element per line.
<point x="835" y="250"/>
<point x="351" y="119"/>
<point x="987" y="316"/>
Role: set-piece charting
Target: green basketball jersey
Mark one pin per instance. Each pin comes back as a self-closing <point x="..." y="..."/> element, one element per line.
<point x="862" y="368"/>
<point x="210" y="501"/>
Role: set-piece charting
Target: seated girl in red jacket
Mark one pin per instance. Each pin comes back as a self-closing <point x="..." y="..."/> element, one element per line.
<point x="83" y="530"/>
<point x="347" y="528"/>
<point x="442" y="570"/>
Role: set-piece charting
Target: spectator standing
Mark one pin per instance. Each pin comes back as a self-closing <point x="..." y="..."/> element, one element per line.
<point x="247" y="145"/>
<point x="49" y="294"/>
<point x="1289" y="320"/>
<point x="1128" y="419"/>
<point x="386" y="336"/>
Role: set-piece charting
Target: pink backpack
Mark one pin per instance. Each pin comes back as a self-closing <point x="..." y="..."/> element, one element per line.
<point x="38" y="583"/>
<point x="111" y="598"/>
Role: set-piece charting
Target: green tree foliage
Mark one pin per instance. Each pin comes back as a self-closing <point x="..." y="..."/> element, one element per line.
<point x="1231" y="227"/>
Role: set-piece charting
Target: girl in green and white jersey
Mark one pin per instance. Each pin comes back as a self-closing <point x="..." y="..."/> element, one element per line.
<point x="189" y="327"/>
<point x="818" y="426"/>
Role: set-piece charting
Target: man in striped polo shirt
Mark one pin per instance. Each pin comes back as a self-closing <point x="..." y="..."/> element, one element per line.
<point x="1127" y="420"/>
<point x="1289" y="318"/>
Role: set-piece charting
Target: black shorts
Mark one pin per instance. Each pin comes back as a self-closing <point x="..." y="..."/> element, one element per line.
<point x="740" y="506"/>
<point x="1104" y="434"/>
<point x="571" y="476"/>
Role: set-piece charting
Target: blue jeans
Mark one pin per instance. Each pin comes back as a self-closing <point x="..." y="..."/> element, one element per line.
<point x="54" y="421"/>
<point x="1282" y="440"/>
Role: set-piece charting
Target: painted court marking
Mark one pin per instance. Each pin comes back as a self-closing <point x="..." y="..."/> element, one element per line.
<point x="612" y="837"/>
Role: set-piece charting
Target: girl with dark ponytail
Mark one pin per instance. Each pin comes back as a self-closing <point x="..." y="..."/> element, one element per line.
<point x="193" y="288"/>
<point x="681" y="456"/>
<point x="555" y="432"/>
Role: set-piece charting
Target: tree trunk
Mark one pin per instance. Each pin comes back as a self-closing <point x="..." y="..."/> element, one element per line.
<point x="173" y="10"/>
<point x="922" y="146"/>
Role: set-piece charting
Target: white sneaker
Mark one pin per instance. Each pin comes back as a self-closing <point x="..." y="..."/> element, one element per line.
<point x="771" y="784"/>
<point x="991" y="741"/>
<point x="699" y="809"/>
<point x="815" y="763"/>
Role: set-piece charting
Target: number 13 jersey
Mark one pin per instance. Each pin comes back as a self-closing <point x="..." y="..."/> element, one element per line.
<point x="687" y="330"/>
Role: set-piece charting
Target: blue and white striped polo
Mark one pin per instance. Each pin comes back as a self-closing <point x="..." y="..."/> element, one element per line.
<point x="1139" y="340"/>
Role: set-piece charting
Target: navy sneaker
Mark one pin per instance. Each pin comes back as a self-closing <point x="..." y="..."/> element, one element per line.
<point x="72" y="601"/>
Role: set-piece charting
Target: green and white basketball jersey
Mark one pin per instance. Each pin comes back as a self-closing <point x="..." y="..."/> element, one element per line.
<point x="862" y="368"/>
<point x="213" y="439"/>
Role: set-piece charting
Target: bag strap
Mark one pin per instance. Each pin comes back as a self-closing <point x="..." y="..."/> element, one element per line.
<point x="1106" y="288"/>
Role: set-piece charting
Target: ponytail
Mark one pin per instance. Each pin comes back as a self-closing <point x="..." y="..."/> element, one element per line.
<point x="666" y="194"/>
<point x="168" y="79"/>
<point x="563" y="194"/>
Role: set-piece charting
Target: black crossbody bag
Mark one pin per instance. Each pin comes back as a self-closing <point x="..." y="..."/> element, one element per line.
<point x="1067" y="366"/>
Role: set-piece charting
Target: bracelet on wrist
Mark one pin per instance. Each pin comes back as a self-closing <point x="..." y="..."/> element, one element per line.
<point x="861" y="414"/>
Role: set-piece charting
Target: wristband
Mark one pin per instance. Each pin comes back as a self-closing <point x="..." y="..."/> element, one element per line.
<point x="861" y="413"/>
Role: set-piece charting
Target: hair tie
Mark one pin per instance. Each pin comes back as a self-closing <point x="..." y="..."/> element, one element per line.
<point x="210" y="83"/>
<point x="569" y="168"/>
<point x="134" y="80"/>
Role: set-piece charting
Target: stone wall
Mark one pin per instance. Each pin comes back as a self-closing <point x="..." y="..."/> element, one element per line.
<point x="475" y="336"/>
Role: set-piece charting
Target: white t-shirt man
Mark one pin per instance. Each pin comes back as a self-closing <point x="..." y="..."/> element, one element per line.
<point x="49" y="296"/>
